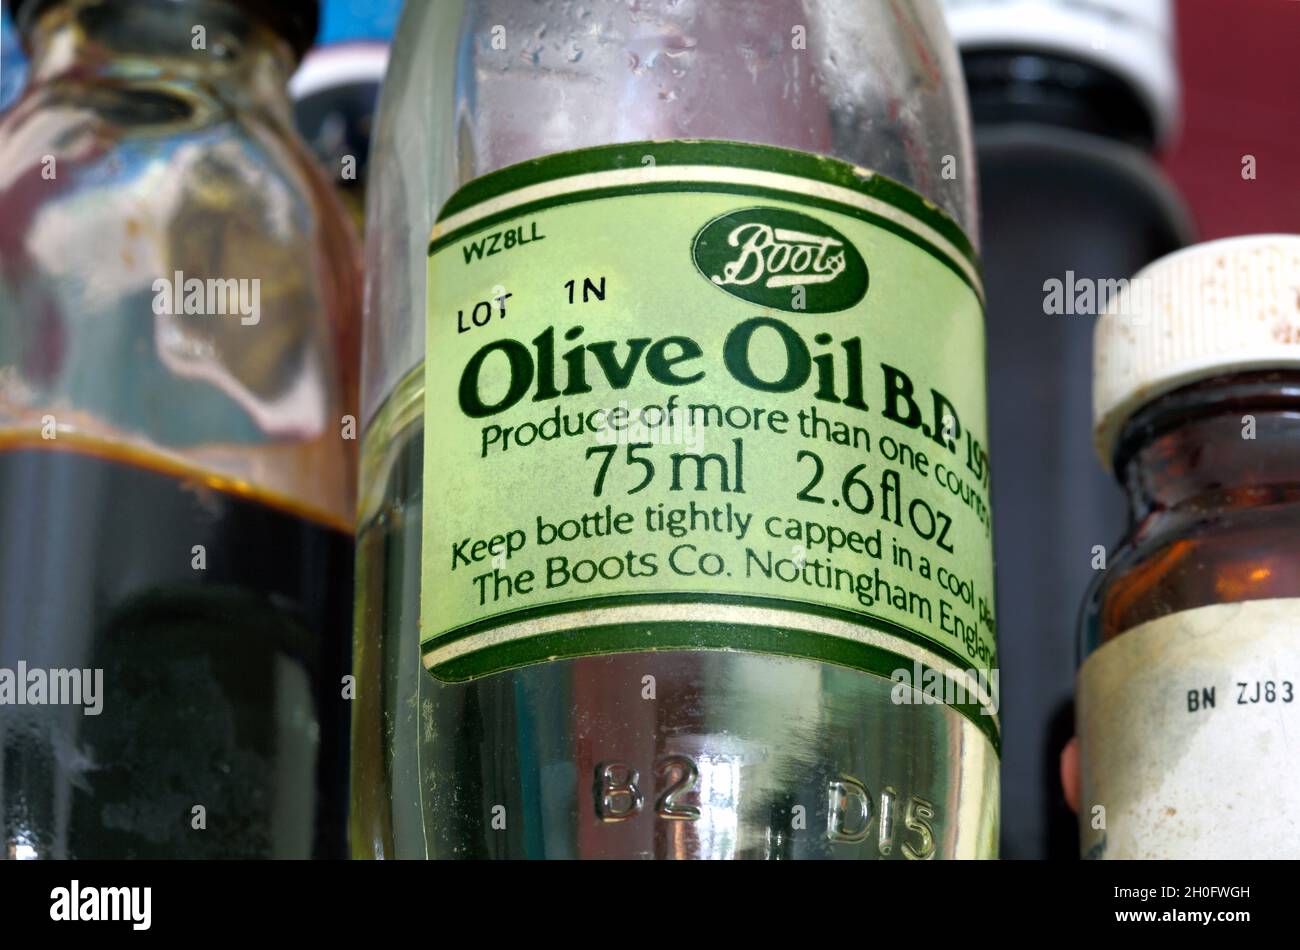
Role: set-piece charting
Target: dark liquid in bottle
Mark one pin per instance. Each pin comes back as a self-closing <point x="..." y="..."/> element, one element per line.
<point x="223" y="726"/>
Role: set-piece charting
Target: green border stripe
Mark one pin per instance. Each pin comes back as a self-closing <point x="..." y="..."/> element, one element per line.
<point x="657" y="636"/>
<point x="618" y="191"/>
<point x="742" y="155"/>
<point x="862" y="619"/>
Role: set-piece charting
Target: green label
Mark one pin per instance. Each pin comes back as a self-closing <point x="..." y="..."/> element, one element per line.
<point x="703" y="395"/>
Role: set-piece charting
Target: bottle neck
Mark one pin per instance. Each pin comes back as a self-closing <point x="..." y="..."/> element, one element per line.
<point x="1014" y="85"/>
<point x="1228" y="442"/>
<point x="214" y="43"/>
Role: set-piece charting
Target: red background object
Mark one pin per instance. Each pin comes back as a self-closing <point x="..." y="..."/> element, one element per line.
<point x="1240" y="66"/>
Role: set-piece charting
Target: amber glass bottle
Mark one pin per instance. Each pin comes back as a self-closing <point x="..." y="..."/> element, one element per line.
<point x="1191" y="659"/>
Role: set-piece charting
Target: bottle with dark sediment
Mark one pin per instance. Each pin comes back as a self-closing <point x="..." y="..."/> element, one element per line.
<point x="178" y="291"/>
<point x="673" y="537"/>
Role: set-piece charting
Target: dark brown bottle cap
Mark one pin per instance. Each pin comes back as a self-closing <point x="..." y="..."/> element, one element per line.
<point x="295" y="20"/>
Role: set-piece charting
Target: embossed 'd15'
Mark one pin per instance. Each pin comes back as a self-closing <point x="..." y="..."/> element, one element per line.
<point x="675" y="536"/>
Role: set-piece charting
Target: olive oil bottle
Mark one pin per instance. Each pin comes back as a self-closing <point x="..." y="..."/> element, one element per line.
<point x="674" y="532"/>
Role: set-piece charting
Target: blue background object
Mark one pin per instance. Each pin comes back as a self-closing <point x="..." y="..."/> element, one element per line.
<point x="346" y="21"/>
<point x="13" y="65"/>
<point x="342" y="21"/>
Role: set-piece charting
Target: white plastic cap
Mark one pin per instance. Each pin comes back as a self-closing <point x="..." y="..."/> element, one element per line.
<point x="1214" y="308"/>
<point x="340" y="64"/>
<point x="1134" y="39"/>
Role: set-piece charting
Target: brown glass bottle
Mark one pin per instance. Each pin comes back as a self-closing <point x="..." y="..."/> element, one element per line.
<point x="1190" y="634"/>
<point x="1209" y="522"/>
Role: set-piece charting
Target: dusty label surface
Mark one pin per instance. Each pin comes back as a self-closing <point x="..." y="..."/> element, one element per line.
<point x="1188" y="728"/>
<point x="704" y="395"/>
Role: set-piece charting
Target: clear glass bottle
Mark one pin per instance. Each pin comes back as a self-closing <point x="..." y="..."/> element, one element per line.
<point x="511" y="763"/>
<point x="179" y="296"/>
<point x="1187" y="638"/>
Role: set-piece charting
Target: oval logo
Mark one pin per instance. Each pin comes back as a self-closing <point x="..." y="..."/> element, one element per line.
<point x="781" y="259"/>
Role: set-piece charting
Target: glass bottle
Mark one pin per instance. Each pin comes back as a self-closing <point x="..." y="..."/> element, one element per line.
<point x="1189" y="655"/>
<point x="699" y="750"/>
<point x="1069" y="102"/>
<point x="178" y="302"/>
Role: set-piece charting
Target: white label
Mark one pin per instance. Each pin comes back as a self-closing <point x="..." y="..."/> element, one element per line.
<point x="1190" y="736"/>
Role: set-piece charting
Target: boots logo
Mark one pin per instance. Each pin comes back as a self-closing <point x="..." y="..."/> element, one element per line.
<point x="781" y="259"/>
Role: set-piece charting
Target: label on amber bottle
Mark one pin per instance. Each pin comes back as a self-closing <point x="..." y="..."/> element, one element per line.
<point x="1187" y="732"/>
<point x="704" y="395"/>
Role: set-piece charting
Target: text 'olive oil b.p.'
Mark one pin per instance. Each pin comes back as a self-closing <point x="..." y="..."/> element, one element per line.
<point x="674" y="526"/>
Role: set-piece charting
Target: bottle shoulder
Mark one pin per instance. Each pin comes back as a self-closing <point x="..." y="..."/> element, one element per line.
<point x="176" y="274"/>
<point x="156" y="127"/>
<point x="878" y="86"/>
<point x="142" y="178"/>
<point x="1206" y="551"/>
